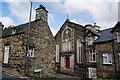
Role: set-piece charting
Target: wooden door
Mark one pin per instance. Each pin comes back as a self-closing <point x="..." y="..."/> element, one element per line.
<point x="67" y="63"/>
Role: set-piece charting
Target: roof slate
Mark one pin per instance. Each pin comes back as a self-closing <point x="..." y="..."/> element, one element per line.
<point x="19" y="29"/>
<point x="105" y="35"/>
<point x="117" y="25"/>
<point x="95" y="33"/>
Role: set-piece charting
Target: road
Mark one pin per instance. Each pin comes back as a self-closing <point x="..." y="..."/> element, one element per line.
<point x="7" y="76"/>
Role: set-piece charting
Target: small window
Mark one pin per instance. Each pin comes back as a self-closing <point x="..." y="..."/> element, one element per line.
<point x="90" y="40"/>
<point x="57" y="52"/>
<point x="13" y="31"/>
<point x="31" y="52"/>
<point x="92" y="56"/>
<point x="107" y="58"/>
<point x="118" y="36"/>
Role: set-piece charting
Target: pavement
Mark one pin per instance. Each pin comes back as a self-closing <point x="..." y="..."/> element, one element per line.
<point x="11" y="73"/>
<point x="60" y="75"/>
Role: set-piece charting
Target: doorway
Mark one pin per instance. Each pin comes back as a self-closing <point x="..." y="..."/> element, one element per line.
<point x="67" y="60"/>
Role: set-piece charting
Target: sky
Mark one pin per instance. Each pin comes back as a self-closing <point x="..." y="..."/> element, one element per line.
<point x="102" y="12"/>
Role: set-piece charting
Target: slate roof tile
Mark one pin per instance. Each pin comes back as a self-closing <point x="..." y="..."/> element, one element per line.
<point x="105" y="35"/>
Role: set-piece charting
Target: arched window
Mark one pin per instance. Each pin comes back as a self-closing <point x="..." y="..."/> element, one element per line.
<point x="79" y="50"/>
<point x="66" y="40"/>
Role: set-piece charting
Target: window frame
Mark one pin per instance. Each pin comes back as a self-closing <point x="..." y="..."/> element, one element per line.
<point x="57" y="52"/>
<point x="90" y="40"/>
<point x="108" y="57"/>
<point x="6" y="53"/>
<point x="118" y="36"/>
<point x="31" y="52"/>
<point x="67" y="44"/>
<point x="79" y="51"/>
<point x="91" y="53"/>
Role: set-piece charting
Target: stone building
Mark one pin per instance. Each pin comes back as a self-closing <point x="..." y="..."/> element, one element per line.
<point x="92" y="33"/>
<point x="35" y="55"/>
<point x="88" y="50"/>
<point x="68" y="48"/>
<point x="107" y="52"/>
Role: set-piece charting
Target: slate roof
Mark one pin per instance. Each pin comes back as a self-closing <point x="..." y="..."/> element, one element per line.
<point x="105" y="35"/>
<point x="95" y="33"/>
<point x="117" y="25"/>
<point x="19" y="29"/>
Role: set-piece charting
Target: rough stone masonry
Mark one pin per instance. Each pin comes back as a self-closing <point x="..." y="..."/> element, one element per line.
<point x="41" y="45"/>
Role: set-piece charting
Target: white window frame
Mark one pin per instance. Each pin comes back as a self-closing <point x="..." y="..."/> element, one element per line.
<point x="79" y="51"/>
<point x="91" y="53"/>
<point x="31" y="52"/>
<point x="107" y="58"/>
<point x="57" y="52"/>
<point x="118" y="36"/>
<point x="67" y="44"/>
<point x="6" y="54"/>
<point x="90" y="40"/>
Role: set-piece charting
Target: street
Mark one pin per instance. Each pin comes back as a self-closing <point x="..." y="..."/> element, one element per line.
<point x="7" y="76"/>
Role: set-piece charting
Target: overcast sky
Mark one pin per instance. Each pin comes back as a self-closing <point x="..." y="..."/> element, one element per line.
<point x="102" y="12"/>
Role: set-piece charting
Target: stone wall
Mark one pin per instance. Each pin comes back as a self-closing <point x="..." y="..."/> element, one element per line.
<point x="44" y="53"/>
<point x="116" y="50"/>
<point x="103" y="70"/>
<point x="17" y="51"/>
<point x="44" y="57"/>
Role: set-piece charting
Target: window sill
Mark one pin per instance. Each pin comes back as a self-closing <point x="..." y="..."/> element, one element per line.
<point x="57" y="62"/>
<point x="108" y="64"/>
<point x="80" y="62"/>
<point x="92" y="61"/>
<point x="30" y="57"/>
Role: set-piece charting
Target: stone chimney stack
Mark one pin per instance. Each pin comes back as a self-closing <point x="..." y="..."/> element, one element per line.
<point x="41" y="13"/>
<point x="88" y="27"/>
<point x="96" y="28"/>
<point x="1" y="26"/>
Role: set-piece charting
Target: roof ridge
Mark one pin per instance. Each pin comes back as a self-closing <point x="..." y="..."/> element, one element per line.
<point x="106" y="29"/>
<point x="76" y="23"/>
<point x="18" y="25"/>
